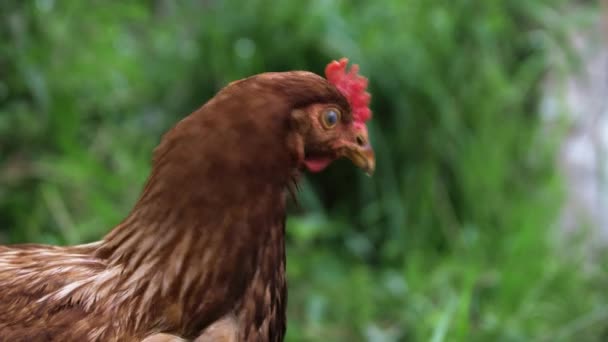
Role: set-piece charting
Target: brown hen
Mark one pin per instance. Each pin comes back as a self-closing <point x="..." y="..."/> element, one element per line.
<point x="202" y="253"/>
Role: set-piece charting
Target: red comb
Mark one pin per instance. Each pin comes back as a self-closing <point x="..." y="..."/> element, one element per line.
<point x="352" y="86"/>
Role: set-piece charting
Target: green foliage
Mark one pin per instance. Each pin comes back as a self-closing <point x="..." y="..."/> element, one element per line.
<point x="450" y="241"/>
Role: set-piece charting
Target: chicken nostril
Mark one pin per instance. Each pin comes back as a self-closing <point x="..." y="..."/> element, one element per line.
<point x="360" y="140"/>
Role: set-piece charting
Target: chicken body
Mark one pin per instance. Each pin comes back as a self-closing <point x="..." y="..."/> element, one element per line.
<point x="202" y="253"/>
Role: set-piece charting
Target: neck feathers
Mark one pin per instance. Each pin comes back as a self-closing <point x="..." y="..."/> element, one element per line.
<point x="233" y="264"/>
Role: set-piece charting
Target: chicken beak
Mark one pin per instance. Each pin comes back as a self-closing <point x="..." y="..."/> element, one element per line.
<point x="363" y="157"/>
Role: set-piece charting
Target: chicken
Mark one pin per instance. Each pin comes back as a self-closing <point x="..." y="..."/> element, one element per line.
<point x="202" y="253"/>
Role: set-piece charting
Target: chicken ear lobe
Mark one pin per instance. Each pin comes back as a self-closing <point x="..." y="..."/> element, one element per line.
<point x="299" y="121"/>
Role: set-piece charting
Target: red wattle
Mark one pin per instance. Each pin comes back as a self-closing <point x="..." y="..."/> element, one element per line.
<point x="316" y="164"/>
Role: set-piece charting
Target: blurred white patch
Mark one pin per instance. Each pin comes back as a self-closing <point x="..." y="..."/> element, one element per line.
<point x="583" y="156"/>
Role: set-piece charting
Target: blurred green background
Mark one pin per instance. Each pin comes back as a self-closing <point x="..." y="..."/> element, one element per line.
<point x="453" y="239"/>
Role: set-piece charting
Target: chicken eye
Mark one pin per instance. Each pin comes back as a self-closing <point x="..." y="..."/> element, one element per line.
<point x="330" y="117"/>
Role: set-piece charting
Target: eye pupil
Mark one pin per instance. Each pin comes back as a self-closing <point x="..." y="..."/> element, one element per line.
<point x="331" y="117"/>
